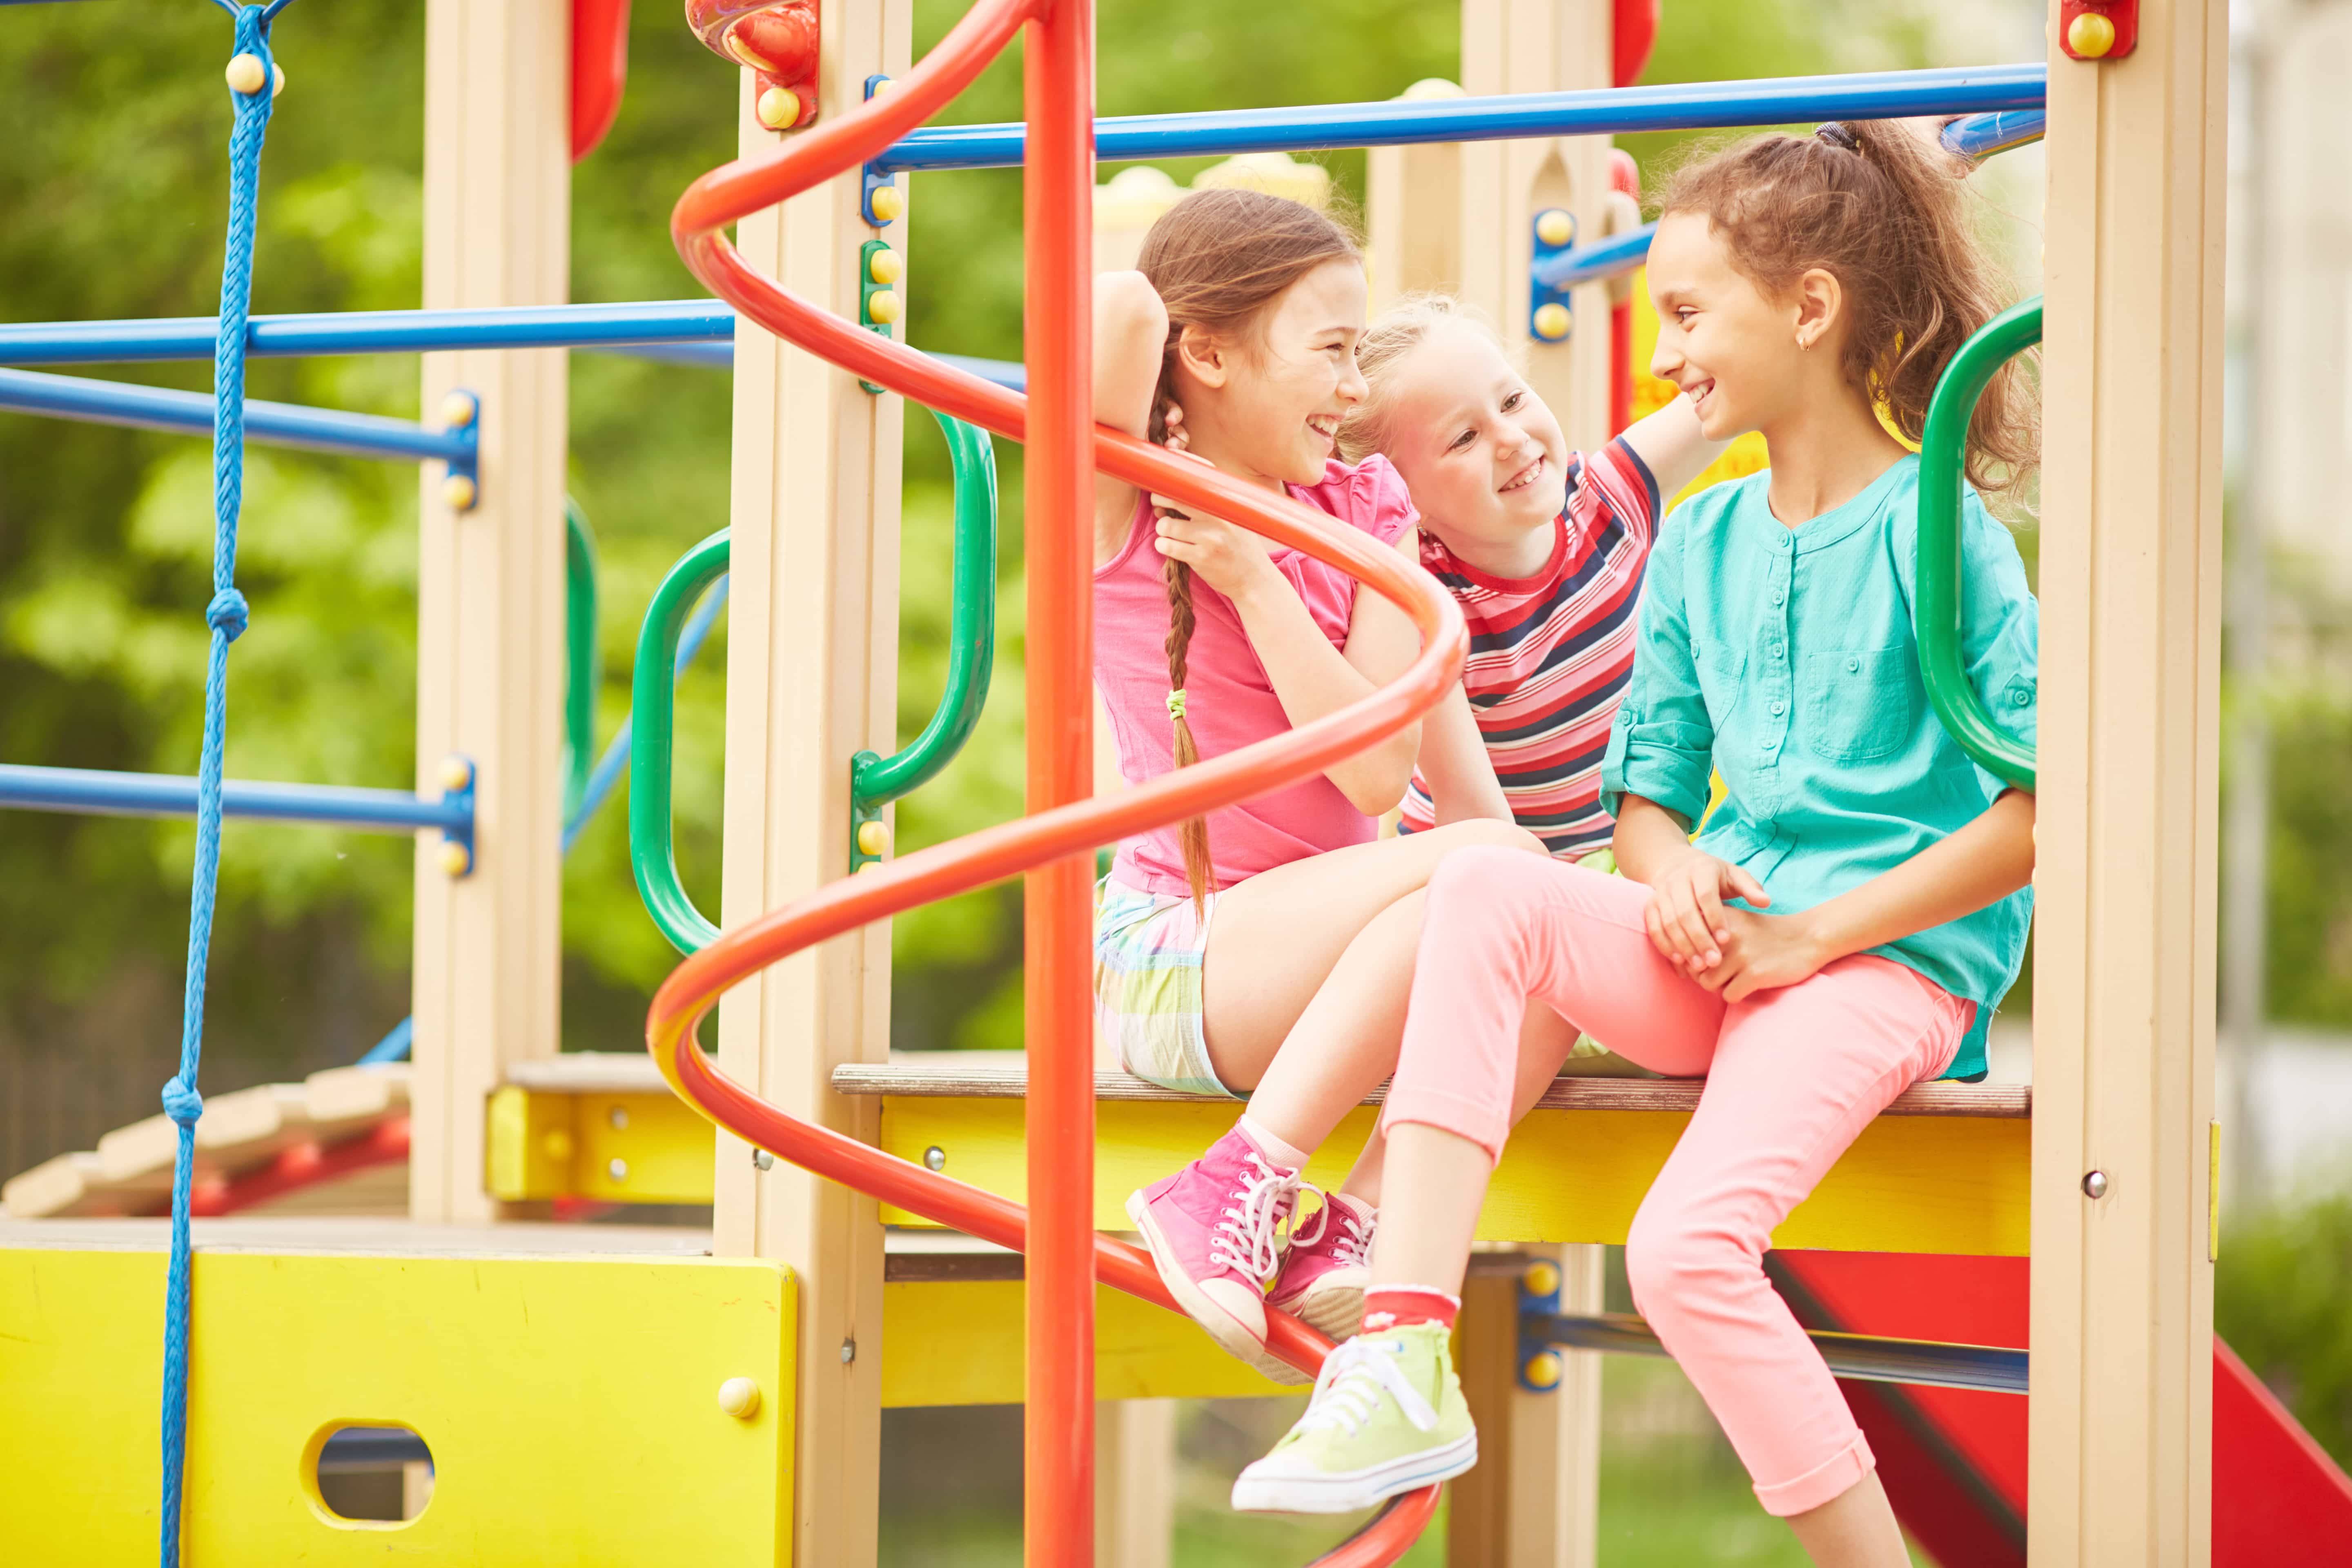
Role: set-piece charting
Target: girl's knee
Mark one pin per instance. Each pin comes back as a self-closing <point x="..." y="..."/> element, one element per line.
<point x="1671" y="1263"/>
<point x="1473" y="878"/>
<point x="1486" y="832"/>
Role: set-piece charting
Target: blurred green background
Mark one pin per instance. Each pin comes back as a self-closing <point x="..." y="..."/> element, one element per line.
<point x="114" y="186"/>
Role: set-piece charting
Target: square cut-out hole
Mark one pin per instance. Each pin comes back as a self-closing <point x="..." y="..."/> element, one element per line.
<point x="373" y="1475"/>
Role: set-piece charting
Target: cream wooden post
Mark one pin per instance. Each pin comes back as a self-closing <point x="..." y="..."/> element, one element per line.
<point x="1413" y="211"/>
<point x="812" y="678"/>
<point x="1135" y="1482"/>
<point x="497" y="215"/>
<point x="2123" y="991"/>
<point x="1534" y="1500"/>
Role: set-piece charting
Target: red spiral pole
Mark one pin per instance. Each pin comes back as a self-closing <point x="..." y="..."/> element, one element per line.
<point x="1053" y="845"/>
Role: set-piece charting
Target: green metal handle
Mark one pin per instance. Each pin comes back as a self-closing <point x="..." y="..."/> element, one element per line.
<point x="653" y="851"/>
<point x="652" y="855"/>
<point x="583" y="672"/>
<point x="1935" y="612"/>
<point x="876" y="781"/>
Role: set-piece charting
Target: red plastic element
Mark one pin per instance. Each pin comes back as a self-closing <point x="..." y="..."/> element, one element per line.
<point x="1636" y="25"/>
<point x="600" y="69"/>
<point x="2122" y="14"/>
<point x="1625" y="178"/>
<point x="1954" y="1461"/>
<point x="305" y="1164"/>
<point x="776" y="39"/>
<point x="1056" y="843"/>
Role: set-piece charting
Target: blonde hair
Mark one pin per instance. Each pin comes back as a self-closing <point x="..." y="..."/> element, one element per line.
<point x="1401" y="328"/>
<point x="1219" y="260"/>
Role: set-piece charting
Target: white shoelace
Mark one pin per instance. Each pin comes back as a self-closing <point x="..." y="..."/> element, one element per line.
<point x="1348" y="1390"/>
<point x="1355" y="1247"/>
<point x="1247" y="1237"/>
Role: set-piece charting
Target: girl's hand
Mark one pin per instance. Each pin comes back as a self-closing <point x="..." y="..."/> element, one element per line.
<point x="1765" y="952"/>
<point x="1686" y="918"/>
<point x="1226" y="558"/>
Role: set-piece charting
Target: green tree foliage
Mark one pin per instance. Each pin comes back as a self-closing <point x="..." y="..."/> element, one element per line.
<point x="2278" y="1300"/>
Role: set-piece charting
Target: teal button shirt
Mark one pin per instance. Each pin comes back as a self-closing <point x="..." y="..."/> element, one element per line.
<point x="1784" y="660"/>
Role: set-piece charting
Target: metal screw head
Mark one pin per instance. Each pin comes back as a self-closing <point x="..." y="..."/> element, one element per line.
<point x="2095" y="1185"/>
<point x="848" y="1352"/>
<point x="935" y="1158"/>
<point x="618" y="1170"/>
<point x="619" y="1118"/>
<point x="762" y="1159"/>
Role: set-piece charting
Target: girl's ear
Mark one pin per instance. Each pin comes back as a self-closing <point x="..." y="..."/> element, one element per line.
<point x="1204" y="357"/>
<point x="1820" y="303"/>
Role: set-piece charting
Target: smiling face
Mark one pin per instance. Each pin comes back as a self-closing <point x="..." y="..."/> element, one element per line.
<point x="1483" y="455"/>
<point x="1731" y="351"/>
<point x="1271" y="406"/>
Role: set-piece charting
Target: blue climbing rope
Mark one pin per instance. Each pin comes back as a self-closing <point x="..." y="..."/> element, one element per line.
<point x="225" y="615"/>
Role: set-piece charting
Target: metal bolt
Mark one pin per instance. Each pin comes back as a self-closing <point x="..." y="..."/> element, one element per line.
<point x="848" y="1352"/>
<point x="619" y="1117"/>
<point x="2095" y="1185"/>
<point x="935" y="1158"/>
<point x="762" y="1159"/>
<point x="618" y="1170"/>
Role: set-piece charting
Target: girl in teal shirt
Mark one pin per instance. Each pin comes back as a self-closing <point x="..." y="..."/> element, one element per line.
<point x="1849" y="917"/>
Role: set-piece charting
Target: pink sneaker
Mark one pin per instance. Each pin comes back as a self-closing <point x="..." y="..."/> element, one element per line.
<point x="1214" y="1229"/>
<point x="1323" y="1279"/>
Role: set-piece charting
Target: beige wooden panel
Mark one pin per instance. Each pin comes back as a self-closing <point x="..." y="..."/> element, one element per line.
<point x="812" y="670"/>
<point x="2122" y="1317"/>
<point x="498" y="214"/>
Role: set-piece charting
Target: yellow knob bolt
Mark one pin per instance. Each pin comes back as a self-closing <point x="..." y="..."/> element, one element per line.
<point x="457" y="409"/>
<point x="1552" y="321"/>
<point x="1555" y="226"/>
<point x="456" y="858"/>
<point x="889" y="203"/>
<point x="246" y="74"/>
<point x="2090" y="34"/>
<point x="1543" y="1370"/>
<point x="277" y="79"/>
<point x="883" y="84"/>
<point x="458" y="493"/>
<point x="869" y="865"/>
<point x="740" y="1397"/>
<point x="456" y="772"/>
<point x="1541" y="1278"/>
<point x="882" y="306"/>
<point x="778" y="109"/>
<point x="557" y="1146"/>
<point x="873" y="837"/>
<point x="886" y="266"/>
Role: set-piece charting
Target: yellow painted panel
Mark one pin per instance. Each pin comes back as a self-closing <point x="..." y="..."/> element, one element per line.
<point x="571" y="1404"/>
<point x="1910" y="1184"/>
<point x="613" y="1148"/>
<point x="960" y="1342"/>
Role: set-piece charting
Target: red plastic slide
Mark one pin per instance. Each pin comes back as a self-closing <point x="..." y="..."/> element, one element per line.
<point x="1953" y="1461"/>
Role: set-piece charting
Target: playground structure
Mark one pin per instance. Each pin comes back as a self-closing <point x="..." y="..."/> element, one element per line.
<point x="518" y="1353"/>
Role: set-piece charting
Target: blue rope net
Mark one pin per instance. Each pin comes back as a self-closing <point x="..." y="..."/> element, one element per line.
<point x="227" y="616"/>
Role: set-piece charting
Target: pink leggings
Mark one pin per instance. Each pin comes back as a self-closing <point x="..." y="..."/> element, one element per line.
<point x="1792" y="1078"/>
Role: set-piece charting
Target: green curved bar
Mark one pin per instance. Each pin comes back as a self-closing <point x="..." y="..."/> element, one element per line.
<point x="583" y="673"/>
<point x="652" y="853"/>
<point x="875" y="781"/>
<point x="1936" y="613"/>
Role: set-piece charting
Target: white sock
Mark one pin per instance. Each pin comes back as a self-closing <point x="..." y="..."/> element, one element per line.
<point x="1277" y="1151"/>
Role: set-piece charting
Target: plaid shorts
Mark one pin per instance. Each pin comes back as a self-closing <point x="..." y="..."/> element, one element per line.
<point x="1147" y="949"/>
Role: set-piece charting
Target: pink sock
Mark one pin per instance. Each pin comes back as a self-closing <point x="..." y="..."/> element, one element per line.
<point x="1276" y="1150"/>
<point x="1394" y="1306"/>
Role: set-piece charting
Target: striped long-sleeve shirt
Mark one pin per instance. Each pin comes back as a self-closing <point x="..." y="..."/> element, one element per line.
<point x="1549" y="655"/>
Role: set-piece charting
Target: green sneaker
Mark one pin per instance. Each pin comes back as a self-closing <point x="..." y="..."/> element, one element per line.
<point x="1387" y="1417"/>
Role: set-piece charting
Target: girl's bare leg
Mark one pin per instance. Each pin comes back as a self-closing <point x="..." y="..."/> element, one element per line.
<point x="1855" y="1529"/>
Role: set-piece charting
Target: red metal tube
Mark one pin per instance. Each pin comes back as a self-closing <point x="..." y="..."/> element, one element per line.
<point x="1059" y="185"/>
<point x="600" y="69"/>
<point x="1064" y="828"/>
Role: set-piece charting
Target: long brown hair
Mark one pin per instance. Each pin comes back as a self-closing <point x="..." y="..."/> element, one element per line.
<point x="1219" y="259"/>
<point x="1869" y="203"/>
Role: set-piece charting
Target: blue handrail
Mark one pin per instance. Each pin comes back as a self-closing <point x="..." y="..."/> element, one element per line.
<point x="191" y="413"/>
<point x="1677" y="106"/>
<point x="93" y="792"/>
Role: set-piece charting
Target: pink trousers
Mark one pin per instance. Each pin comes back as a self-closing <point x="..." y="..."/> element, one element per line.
<point x="1792" y="1076"/>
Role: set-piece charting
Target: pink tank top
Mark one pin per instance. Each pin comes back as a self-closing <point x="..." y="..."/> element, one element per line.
<point x="1229" y="700"/>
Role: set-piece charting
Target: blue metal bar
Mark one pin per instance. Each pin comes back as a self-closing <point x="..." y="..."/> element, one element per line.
<point x="96" y="793"/>
<point x="1605" y="259"/>
<point x="1679" y="106"/>
<point x="1864" y="1357"/>
<point x="393" y="1047"/>
<point x="373" y="332"/>
<point x="191" y="413"/>
<point x="1982" y="135"/>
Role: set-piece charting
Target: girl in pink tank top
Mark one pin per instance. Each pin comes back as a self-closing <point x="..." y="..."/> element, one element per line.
<point x="1236" y="342"/>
